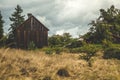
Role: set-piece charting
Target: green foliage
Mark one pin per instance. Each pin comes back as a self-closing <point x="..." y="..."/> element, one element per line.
<point x="49" y="50"/>
<point x="16" y="19"/>
<point x="59" y="40"/>
<point x="54" y="40"/>
<point x="57" y="50"/>
<point x="112" y="52"/>
<point x="1" y="26"/>
<point x="88" y="58"/>
<point x="88" y="51"/>
<point x="75" y="50"/>
<point x="75" y="43"/>
<point x="106" y="43"/>
<point x="3" y="41"/>
<point x="31" y="46"/>
<point x="107" y="26"/>
<point x="88" y="48"/>
<point x="65" y="41"/>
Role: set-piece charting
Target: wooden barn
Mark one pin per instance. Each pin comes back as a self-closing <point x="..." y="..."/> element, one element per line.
<point x="31" y="31"/>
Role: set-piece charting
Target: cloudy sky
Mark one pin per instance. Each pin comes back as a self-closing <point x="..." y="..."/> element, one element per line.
<point x="59" y="16"/>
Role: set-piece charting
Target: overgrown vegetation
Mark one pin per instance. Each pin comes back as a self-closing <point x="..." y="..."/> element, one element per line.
<point x="106" y="26"/>
<point x="78" y="59"/>
<point x="1" y="30"/>
<point x="31" y="46"/>
<point x="16" y="18"/>
<point x="36" y="65"/>
<point x="112" y="52"/>
<point x="56" y="50"/>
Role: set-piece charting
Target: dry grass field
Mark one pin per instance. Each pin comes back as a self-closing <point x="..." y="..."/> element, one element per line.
<point x="36" y="65"/>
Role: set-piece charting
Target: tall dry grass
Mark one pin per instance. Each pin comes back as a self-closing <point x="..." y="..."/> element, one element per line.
<point x="36" y="65"/>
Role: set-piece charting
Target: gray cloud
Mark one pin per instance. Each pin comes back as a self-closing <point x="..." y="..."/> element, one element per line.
<point x="59" y="16"/>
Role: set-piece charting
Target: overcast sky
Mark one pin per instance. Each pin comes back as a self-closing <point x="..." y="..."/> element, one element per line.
<point x="59" y="16"/>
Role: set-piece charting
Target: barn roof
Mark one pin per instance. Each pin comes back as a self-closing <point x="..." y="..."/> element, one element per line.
<point x="30" y="17"/>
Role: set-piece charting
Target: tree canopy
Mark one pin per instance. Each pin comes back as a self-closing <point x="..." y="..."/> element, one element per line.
<point x="59" y="40"/>
<point x="16" y="18"/>
<point x="1" y="26"/>
<point x="106" y="26"/>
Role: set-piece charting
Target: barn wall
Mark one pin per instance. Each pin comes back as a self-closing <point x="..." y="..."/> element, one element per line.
<point x="38" y="37"/>
<point x="38" y="34"/>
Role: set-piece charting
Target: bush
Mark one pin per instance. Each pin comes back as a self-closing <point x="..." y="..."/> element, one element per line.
<point x="112" y="52"/>
<point x="48" y="50"/>
<point x="63" y="72"/>
<point x="106" y="43"/>
<point x="75" y="44"/>
<point x="3" y="41"/>
<point x="74" y="50"/>
<point x="58" y="50"/>
<point x="88" y="52"/>
<point x="89" y="49"/>
<point x="31" y="46"/>
<point x="89" y="59"/>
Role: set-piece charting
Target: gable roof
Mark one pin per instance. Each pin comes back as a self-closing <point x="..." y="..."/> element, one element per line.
<point x="30" y="19"/>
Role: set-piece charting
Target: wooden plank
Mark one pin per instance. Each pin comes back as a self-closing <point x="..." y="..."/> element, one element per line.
<point x="25" y="39"/>
<point x="18" y="38"/>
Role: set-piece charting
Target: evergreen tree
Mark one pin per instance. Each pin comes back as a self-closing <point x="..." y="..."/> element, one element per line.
<point x="16" y="18"/>
<point x="1" y="26"/>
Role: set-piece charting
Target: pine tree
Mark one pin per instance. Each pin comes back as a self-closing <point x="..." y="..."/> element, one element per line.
<point x="16" y="18"/>
<point x="1" y="26"/>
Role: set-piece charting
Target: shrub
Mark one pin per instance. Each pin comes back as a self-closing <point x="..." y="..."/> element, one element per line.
<point x="106" y="43"/>
<point x="89" y="51"/>
<point x="88" y="58"/>
<point x="75" y="44"/>
<point x="31" y="46"/>
<point x="58" y="50"/>
<point x="48" y="50"/>
<point x="63" y="72"/>
<point x="3" y="41"/>
<point x="88" y="48"/>
<point x="112" y="52"/>
<point x="74" y="50"/>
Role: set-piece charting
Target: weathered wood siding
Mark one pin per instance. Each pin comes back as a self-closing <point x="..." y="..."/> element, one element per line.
<point x="32" y="30"/>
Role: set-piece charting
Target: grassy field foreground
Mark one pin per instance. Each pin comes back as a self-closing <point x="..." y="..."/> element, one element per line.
<point x="36" y="65"/>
